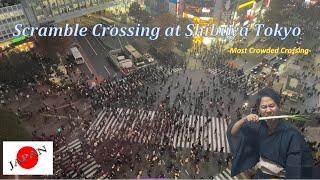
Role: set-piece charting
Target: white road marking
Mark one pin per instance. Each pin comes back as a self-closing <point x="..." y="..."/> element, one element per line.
<point x="107" y="70"/>
<point x="98" y="40"/>
<point x="187" y="172"/>
<point x="90" y="45"/>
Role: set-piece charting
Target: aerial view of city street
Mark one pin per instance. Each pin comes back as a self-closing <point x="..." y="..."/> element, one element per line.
<point x="185" y="107"/>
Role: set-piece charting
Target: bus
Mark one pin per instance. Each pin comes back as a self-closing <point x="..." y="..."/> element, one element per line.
<point x="77" y="55"/>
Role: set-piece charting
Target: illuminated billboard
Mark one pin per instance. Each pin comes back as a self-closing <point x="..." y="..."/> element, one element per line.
<point x="18" y="39"/>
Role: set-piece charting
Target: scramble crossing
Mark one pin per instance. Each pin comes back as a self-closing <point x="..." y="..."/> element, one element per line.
<point x="145" y="127"/>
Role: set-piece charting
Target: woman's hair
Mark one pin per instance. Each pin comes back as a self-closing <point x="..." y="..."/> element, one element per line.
<point x="268" y="92"/>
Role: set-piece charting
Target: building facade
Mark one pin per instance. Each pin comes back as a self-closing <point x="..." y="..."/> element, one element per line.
<point x="156" y="7"/>
<point x="9" y="17"/>
<point x="5" y="3"/>
<point x="44" y="12"/>
<point x="49" y="11"/>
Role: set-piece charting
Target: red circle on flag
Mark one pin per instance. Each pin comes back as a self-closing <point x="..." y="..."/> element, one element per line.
<point x="27" y="157"/>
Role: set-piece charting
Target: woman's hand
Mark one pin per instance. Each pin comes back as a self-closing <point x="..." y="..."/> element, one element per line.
<point x="252" y="117"/>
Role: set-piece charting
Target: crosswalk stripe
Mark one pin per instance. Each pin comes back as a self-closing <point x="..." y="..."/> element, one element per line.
<point x="210" y="135"/>
<point x="182" y="137"/>
<point x="138" y="137"/>
<point x="100" y="114"/>
<point x="168" y="131"/>
<point x="214" y="135"/>
<point x="218" y="134"/>
<point x="88" y="166"/>
<point x="86" y="163"/>
<point x="91" y="174"/>
<point x="184" y="134"/>
<point x="109" y="129"/>
<point x="175" y="70"/>
<point x="221" y="176"/>
<point x="193" y="133"/>
<point x="76" y="146"/>
<point x="162" y="128"/>
<point x="176" y="139"/>
<point x="91" y="169"/>
<point x="197" y="129"/>
<point x="143" y="134"/>
<point x="189" y="134"/>
<point x="229" y="173"/>
<point x="202" y="130"/>
<point x="151" y="119"/>
<point x="139" y="116"/>
<point x="125" y="119"/>
<point x="103" y="176"/>
<point x="74" y="175"/>
<point x="96" y="122"/>
<point x="93" y="128"/>
<point x="223" y="134"/>
<point x="178" y="131"/>
<point x="105" y="126"/>
<point x="102" y="127"/>
<point x="226" y="175"/>
<point x="70" y="144"/>
<point x="226" y="128"/>
<point x="205" y="133"/>
<point x="108" y="125"/>
<point x="148" y="136"/>
<point x="70" y="173"/>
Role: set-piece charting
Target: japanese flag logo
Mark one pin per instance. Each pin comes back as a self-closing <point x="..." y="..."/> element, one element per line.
<point x="27" y="158"/>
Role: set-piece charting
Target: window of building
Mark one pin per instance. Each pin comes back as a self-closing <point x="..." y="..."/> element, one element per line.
<point x="82" y="3"/>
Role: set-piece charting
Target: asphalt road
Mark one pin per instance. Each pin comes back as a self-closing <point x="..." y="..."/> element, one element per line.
<point x="96" y="56"/>
<point x="95" y="53"/>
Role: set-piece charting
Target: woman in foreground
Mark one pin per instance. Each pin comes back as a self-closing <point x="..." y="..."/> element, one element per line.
<point x="272" y="147"/>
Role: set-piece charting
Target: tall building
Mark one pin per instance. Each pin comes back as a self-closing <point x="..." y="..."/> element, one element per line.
<point x="50" y="11"/>
<point x="176" y="7"/>
<point x="43" y="12"/>
<point x="10" y="16"/>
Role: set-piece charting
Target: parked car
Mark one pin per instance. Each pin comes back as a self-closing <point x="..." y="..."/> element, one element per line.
<point x="256" y="69"/>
